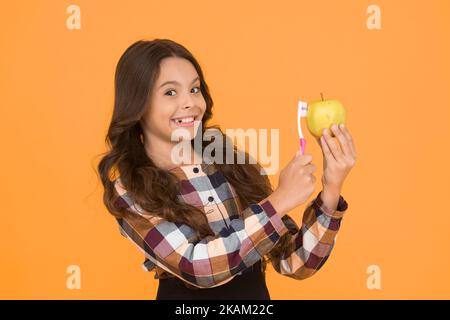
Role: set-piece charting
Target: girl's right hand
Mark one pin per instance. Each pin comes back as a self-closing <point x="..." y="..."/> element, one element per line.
<point x="295" y="184"/>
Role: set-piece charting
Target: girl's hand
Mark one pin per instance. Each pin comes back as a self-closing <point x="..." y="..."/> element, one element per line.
<point x="337" y="160"/>
<point x="295" y="184"/>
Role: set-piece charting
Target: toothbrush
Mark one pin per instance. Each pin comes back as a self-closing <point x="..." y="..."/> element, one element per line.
<point x="302" y="111"/>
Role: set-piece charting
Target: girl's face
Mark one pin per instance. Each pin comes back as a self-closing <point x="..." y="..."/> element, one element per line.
<point x="176" y="101"/>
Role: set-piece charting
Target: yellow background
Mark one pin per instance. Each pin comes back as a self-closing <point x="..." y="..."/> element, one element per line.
<point x="259" y="58"/>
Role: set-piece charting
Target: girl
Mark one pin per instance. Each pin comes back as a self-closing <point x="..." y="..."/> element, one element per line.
<point x="208" y="229"/>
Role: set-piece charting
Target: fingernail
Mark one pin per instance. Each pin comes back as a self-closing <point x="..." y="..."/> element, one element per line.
<point x="342" y="126"/>
<point x="325" y="132"/>
<point x="334" y="127"/>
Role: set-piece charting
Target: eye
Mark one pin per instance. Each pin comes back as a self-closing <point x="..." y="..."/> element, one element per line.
<point x="168" y="92"/>
<point x="174" y="90"/>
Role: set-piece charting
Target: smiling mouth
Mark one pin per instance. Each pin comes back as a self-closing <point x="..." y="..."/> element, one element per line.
<point x="184" y="122"/>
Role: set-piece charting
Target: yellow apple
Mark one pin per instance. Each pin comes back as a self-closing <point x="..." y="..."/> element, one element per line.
<point x="323" y="114"/>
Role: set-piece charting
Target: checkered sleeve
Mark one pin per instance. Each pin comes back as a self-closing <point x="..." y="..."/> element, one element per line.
<point x="207" y="262"/>
<point x="311" y="244"/>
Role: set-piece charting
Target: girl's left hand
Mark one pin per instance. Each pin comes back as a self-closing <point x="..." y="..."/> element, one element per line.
<point x="337" y="160"/>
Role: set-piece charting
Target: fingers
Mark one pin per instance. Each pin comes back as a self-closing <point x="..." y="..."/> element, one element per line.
<point x="309" y="169"/>
<point x="350" y="140"/>
<point x="312" y="178"/>
<point x="341" y="152"/>
<point x="319" y="141"/>
<point x="325" y="149"/>
<point x="334" y="149"/>
<point x="303" y="159"/>
<point x="345" y="148"/>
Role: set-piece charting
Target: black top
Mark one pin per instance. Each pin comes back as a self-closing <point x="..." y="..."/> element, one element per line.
<point x="251" y="284"/>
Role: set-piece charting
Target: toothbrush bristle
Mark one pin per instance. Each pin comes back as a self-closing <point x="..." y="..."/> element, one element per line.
<point x="302" y="108"/>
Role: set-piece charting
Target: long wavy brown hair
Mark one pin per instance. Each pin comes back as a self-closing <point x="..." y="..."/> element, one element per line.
<point x="155" y="190"/>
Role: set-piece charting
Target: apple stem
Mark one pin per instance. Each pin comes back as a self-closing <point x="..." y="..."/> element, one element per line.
<point x="321" y="95"/>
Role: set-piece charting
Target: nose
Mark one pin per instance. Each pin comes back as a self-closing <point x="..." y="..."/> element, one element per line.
<point x="188" y="103"/>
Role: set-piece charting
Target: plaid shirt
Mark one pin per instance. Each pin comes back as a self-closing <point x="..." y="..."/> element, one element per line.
<point x="242" y="236"/>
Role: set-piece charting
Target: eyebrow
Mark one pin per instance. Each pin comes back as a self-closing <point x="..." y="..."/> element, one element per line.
<point x="176" y="82"/>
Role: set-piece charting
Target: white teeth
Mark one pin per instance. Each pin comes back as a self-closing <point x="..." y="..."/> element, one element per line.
<point x="185" y="120"/>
